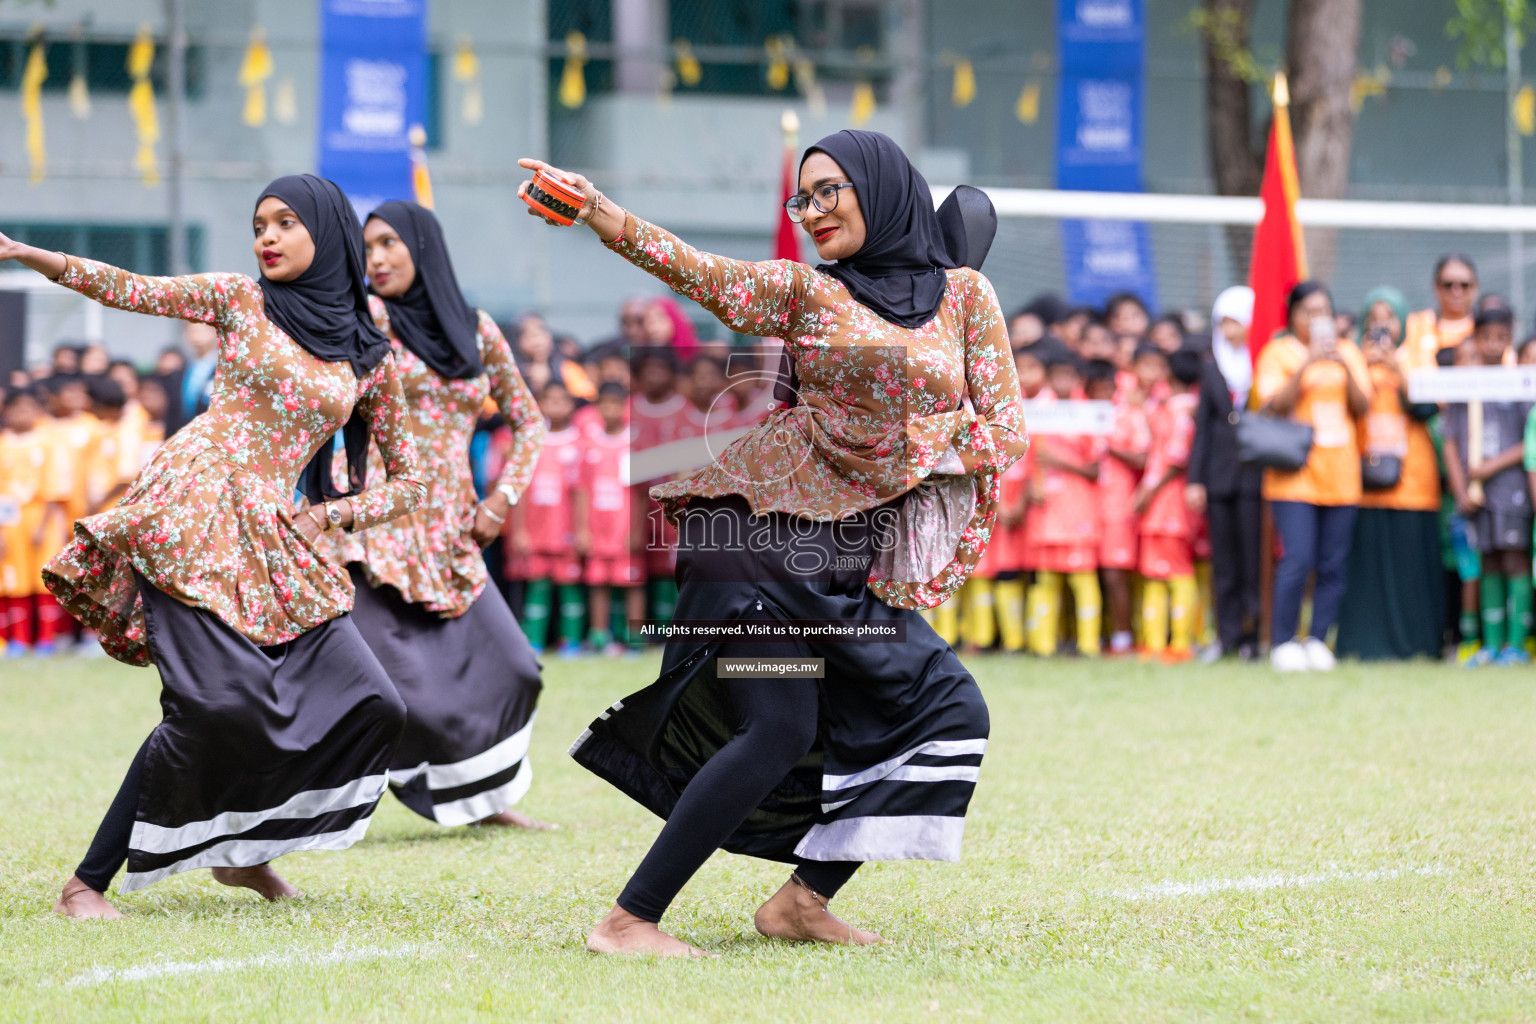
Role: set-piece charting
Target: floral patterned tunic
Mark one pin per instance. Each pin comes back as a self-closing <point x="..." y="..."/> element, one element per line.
<point x="879" y="404"/>
<point x="209" y="520"/>
<point x="429" y="555"/>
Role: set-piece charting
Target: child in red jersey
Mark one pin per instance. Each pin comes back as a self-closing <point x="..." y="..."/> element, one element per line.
<point x="609" y="532"/>
<point x="1167" y="529"/>
<point x="541" y="531"/>
<point x="655" y="415"/>
<point x="1065" y="528"/>
<point x="1125" y="459"/>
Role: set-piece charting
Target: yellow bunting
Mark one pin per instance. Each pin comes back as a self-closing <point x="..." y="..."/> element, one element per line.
<point x="79" y="97"/>
<point x="1367" y="85"/>
<point x="1442" y="77"/>
<point x="1027" y="109"/>
<point x="421" y="180"/>
<point x="141" y="104"/>
<point x="1525" y="110"/>
<point x="285" y="102"/>
<point x="32" y="79"/>
<point x="805" y="82"/>
<point x="255" y="69"/>
<point x="573" y="80"/>
<point x="964" y="88"/>
<point x="466" y="69"/>
<point x="778" y="62"/>
<point x="689" y="71"/>
<point x="863" y="107"/>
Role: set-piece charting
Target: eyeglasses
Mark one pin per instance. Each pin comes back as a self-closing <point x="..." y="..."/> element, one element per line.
<point x="1458" y="286"/>
<point x="824" y="198"/>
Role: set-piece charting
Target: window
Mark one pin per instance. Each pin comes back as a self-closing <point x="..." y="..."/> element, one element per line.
<point x="105" y="64"/>
<point x="140" y="248"/>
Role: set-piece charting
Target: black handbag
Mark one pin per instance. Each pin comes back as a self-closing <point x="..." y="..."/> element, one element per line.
<point x="1272" y="442"/>
<point x="1380" y="472"/>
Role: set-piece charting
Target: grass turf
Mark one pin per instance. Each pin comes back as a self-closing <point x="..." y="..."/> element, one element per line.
<point x="1381" y="817"/>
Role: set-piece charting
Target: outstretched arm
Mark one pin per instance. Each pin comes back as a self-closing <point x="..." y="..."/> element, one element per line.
<point x="760" y="299"/>
<point x="202" y="297"/>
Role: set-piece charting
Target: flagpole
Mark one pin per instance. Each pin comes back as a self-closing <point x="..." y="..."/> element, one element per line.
<point x="176" y="87"/>
<point x="1514" y="158"/>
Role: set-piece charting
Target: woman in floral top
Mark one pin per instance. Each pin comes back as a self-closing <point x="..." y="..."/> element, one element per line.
<point x="279" y="724"/>
<point x="467" y="674"/>
<point x="871" y="495"/>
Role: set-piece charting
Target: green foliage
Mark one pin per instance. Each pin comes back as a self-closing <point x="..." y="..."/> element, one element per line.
<point x="1480" y="24"/>
<point x="1227" y="30"/>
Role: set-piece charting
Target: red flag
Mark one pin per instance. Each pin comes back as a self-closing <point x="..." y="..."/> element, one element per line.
<point x="786" y="245"/>
<point x="1279" y="258"/>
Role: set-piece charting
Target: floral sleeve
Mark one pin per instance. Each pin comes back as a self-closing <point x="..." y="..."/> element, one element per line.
<point x="206" y="298"/>
<point x="996" y="438"/>
<point x="382" y="403"/>
<point x="516" y="403"/>
<point x="762" y="299"/>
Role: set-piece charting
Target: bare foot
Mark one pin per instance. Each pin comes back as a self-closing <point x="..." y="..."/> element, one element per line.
<point x="793" y="913"/>
<point x="81" y="902"/>
<point x="623" y="932"/>
<point x="260" y="878"/>
<point x="517" y="819"/>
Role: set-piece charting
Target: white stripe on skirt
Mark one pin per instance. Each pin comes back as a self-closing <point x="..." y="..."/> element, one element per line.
<point x="933" y="748"/>
<point x="244" y="853"/>
<point x="472" y="769"/>
<point x="897" y="837"/>
<point x="309" y="804"/>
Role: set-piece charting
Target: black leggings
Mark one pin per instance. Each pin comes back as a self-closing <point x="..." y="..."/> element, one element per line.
<point x="775" y="727"/>
<point x="109" y="849"/>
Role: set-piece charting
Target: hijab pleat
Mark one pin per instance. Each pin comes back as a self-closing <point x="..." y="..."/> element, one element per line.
<point x="432" y="318"/>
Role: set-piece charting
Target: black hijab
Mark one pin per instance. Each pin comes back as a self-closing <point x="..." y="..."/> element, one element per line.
<point x="325" y="311"/>
<point x="899" y="270"/>
<point x="431" y="318"/>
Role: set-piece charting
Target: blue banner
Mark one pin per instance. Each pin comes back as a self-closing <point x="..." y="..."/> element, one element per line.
<point x="373" y="88"/>
<point x="1101" y="108"/>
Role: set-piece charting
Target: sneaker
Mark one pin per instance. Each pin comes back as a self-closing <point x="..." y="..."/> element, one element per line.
<point x="1177" y="657"/>
<point x="1512" y="657"/>
<point x="45" y="649"/>
<point x="569" y="649"/>
<point x="1212" y="653"/>
<point x="1467" y="650"/>
<point x="614" y="649"/>
<point x="1289" y="657"/>
<point x="1319" y="657"/>
<point x="1479" y="658"/>
<point x="16" y="649"/>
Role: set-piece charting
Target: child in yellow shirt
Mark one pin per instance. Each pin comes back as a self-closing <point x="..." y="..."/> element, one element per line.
<point x="32" y="526"/>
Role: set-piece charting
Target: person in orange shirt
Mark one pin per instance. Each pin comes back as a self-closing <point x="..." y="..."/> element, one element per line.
<point x="1167" y="526"/>
<point x="1125" y="456"/>
<point x="1065" y="527"/>
<point x="1395" y="595"/>
<point x="1450" y="323"/>
<point x="31" y="523"/>
<point x="1312" y="376"/>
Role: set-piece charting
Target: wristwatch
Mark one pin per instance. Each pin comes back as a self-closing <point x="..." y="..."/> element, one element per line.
<point x="332" y="515"/>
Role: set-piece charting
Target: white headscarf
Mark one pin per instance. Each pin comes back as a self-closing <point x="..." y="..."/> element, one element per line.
<point x="1236" y="303"/>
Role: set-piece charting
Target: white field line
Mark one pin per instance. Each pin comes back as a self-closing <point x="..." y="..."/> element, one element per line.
<point x="1257" y="883"/>
<point x="182" y="968"/>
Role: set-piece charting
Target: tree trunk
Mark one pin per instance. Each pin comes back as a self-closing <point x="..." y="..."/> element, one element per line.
<point x="1322" y="44"/>
<point x="1237" y="164"/>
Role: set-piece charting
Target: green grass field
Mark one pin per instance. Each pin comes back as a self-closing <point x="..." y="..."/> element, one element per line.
<point x="1146" y="844"/>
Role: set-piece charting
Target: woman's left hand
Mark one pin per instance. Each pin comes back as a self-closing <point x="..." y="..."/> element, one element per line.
<point x="308" y="523"/>
<point x="486" y="529"/>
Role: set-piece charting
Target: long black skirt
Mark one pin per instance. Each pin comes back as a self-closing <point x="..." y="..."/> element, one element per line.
<point x="263" y="751"/>
<point x="1394" y="600"/>
<point x="471" y="687"/>
<point x="902" y="726"/>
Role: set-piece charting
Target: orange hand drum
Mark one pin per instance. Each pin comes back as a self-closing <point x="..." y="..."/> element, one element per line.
<point x="554" y="198"/>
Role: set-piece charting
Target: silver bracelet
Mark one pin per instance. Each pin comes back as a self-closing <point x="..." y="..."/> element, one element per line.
<point x="492" y="516"/>
<point x="584" y="216"/>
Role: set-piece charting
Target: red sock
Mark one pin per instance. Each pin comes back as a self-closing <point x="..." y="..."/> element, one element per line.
<point x="6" y="604"/>
<point x="21" y="619"/>
<point x="49" y="615"/>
